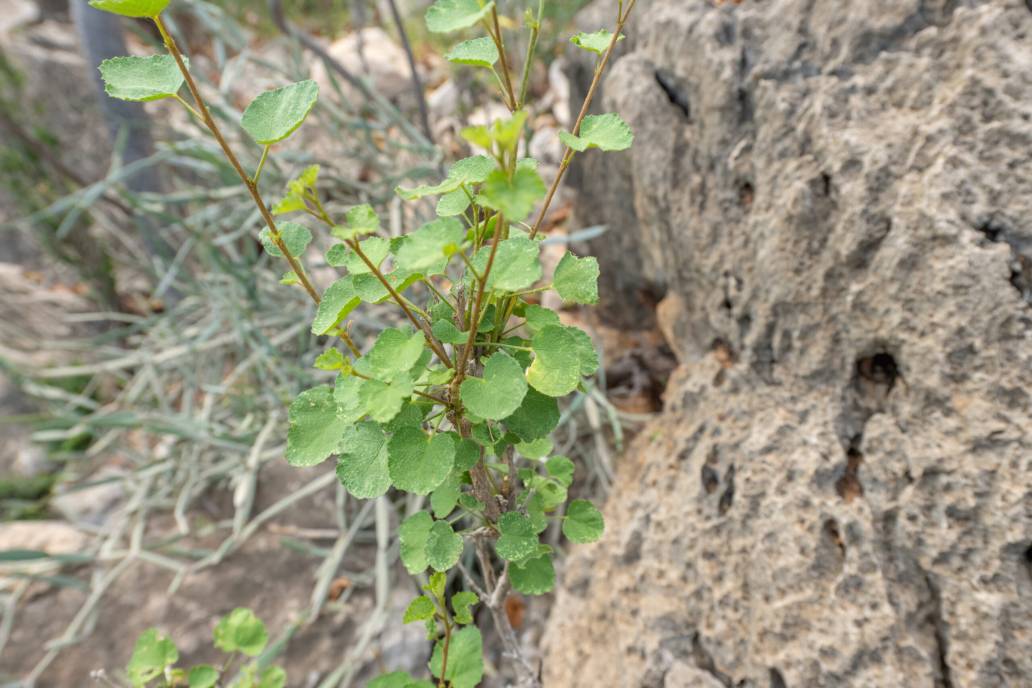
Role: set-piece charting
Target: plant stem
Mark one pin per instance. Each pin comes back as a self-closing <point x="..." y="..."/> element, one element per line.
<point x="261" y="164"/>
<point x="595" y="82"/>
<point x="444" y="653"/>
<point x="420" y="325"/>
<point x="209" y="121"/>
<point x="535" y="31"/>
<point x="496" y="36"/>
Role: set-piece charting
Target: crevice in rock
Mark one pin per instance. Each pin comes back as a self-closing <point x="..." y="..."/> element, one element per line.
<point x="1027" y="556"/>
<point x="944" y="679"/>
<point x="849" y="486"/>
<point x="669" y="83"/>
<point x="728" y="498"/>
<point x="704" y="660"/>
<point x="1000" y="232"/>
<point x="777" y="680"/>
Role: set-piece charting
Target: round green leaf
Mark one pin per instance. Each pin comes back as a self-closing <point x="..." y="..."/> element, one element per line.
<point x="131" y="8"/>
<point x="479" y="52"/>
<point x="462" y="602"/>
<point x="362" y="464"/>
<point x="465" y="658"/>
<point x="446" y="496"/>
<point x="607" y="132"/>
<point x="413" y="534"/>
<point x="499" y="393"/>
<point x="586" y="353"/>
<point x="275" y="115"/>
<point x="535" y="576"/>
<point x="141" y="79"/>
<point x="296" y="238"/>
<point x="556" y="370"/>
<point x="562" y="469"/>
<point x="453" y="204"/>
<point x="518" y="539"/>
<point x="420" y="609"/>
<point x="576" y="279"/>
<point x="597" y="42"/>
<point x="152" y="653"/>
<point x="395" y="352"/>
<point x="398" y="679"/>
<point x="424" y="250"/>
<point x="536" y="417"/>
<point x="445" y="16"/>
<point x="516" y="265"/>
<point x="383" y="401"/>
<point x="203" y="676"/>
<point x="317" y="423"/>
<point x="515" y="198"/>
<point x="583" y="522"/>
<point x="241" y="631"/>
<point x="467" y="453"/>
<point x="443" y="546"/>
<point x="419" y="463"/>
<point x="337" y="302"/>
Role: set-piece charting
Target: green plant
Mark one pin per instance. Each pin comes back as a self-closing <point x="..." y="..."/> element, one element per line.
<point x="446" y="405"/>
<point x="240" y="634"/>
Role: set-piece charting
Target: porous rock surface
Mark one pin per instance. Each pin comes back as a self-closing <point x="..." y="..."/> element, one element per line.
<point x="834" y="202"/>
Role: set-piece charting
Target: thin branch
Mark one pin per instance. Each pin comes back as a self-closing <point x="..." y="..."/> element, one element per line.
<point x="417" y="83"/>
<point x="209" y="121"/>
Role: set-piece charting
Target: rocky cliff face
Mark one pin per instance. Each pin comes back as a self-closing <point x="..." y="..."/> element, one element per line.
<point x="835" y="200"/>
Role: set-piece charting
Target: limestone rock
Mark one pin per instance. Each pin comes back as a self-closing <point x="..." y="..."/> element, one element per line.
<point x="835" y="199"/>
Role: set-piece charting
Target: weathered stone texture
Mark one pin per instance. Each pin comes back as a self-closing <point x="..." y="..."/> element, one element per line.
<point x="836" y="200"/>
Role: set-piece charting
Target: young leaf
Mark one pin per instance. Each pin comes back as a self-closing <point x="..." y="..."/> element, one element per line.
<point x="556" y="367"/>
<point x="443" y="546"/>
<point x="536" y="417"/>
<point x="339" y="299"/>
<point x="203" y="676"/>
<point x="465" y="659"/>
<point x="317" y="423"/>
<point x="538" y="449"/>
<point x="359" y="221"/>
<point x="413" y="534"/>
<point x="275" y="115"/>
<point x="606" y="132"/>
<point x="427" y="249"/>
<point x="518" y="539"/>
<point x="362" y="461"/>
<point x="420" y="609"/>
<point x="241" y="631"/>
<point x="499" y="393"/>
<point x="296" y="238"/>
<point x="576" y="279"/>
<point x="418" y="463"/>
<point x="583" y="523"/>
<point x="436" y="584"/>
<point x="445" y="16"/>
<point x="462" y="602"/>
<point x="331" y="359"/>
<point x="516" y="265"/>
<point x="597" y="42"/>
<point x="535" y="576"/>
<point x="514" y="198"/>
<point x="153" y="652"/>
<point x="141" y="79"/>
<point x="131" y="8"/>
<point x="479" y="52"/>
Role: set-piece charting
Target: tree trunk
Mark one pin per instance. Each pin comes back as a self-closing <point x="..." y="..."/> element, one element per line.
<point x="835" y="200"/>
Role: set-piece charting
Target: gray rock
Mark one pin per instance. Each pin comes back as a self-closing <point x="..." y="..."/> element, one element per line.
<point x="834" y="199"/>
